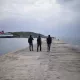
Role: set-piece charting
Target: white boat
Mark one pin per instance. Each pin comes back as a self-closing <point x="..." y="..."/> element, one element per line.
<point x="5" y="35"/>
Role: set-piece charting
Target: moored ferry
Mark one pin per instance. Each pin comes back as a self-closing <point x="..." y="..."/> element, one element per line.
<point x="5" y="35"/>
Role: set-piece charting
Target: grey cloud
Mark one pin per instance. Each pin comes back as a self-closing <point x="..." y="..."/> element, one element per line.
<point x="65" y="22"/>
<point x="14" y="24"/>
<point x="73" y="5"/>
<point x="64" y="1"/>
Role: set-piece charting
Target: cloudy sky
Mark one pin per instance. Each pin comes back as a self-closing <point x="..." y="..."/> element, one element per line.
<point x="55" y="17"/>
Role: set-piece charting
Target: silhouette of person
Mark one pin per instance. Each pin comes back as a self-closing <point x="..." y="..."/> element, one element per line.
<point x="30" y="41"/>
<point x="49" y="41"/>
<point x="39" y="42"/>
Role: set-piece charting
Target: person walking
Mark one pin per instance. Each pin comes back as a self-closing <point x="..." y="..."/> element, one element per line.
<point x="49" y="41"/>
<point x="39" y="42"/>
<point x="30" y="41"/>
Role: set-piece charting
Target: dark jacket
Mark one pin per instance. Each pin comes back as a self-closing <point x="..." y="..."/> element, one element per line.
<point x="49" y="40"/>
<point x="30" y="40"/>
<point x="39" y="40"/>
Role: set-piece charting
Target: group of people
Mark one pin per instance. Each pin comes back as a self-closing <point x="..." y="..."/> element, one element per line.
<point x="39" y="43"/>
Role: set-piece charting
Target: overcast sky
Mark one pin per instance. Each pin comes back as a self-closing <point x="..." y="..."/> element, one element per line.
<point x="55" y="17"/>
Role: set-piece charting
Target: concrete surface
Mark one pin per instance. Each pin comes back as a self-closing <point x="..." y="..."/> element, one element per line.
<point x="61" y="63"/>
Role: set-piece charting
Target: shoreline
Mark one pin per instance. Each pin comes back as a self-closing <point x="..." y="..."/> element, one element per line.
<point x="76" y="47"/>
<point x="20" y="48"/>
<point x="62" y="62"/>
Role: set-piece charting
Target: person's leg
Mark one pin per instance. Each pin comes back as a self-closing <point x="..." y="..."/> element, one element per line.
<point x="47" y="47"/>
<point x="40" y="47"/>
<point x="37" y="47"/>
<point x="30" y="47"/>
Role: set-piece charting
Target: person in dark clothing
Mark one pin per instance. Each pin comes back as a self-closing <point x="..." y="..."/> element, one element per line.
<point x="30" y="41"/>
<point x="49" y="41"/>
<point x="39" y="42"/>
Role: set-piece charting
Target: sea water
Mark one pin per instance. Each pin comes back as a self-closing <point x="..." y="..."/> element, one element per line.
<point x="74" y="41"/>
<point x="12" y="44"/>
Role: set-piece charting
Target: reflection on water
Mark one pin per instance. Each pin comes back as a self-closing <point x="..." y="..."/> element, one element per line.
<point x="12" y="44"/>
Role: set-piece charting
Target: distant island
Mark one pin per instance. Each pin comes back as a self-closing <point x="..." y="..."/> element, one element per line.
<point x="20" y="34"/>
<point x="26" y="34"/>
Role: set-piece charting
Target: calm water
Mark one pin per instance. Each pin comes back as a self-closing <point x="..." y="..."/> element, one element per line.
<point x="12" y="44"/>
<point x="75" y="42"/>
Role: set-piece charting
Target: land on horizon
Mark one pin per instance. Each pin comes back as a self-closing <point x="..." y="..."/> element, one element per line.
<point x="21" y="34"/>
<point x="26" y="34"/>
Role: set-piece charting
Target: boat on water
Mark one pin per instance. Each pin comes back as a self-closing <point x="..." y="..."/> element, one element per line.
<point x="6" y="35"/>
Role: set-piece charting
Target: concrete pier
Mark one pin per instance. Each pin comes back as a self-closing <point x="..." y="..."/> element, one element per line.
<point x="61" y="63"/>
